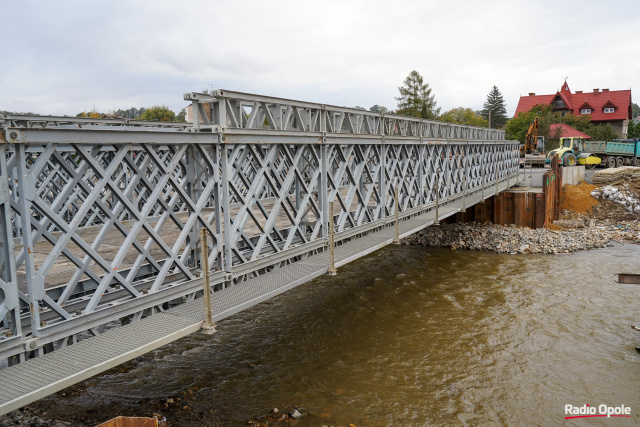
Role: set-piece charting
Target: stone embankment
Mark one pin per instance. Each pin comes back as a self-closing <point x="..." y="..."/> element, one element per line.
<point x="591" y="217"/>
<point x="512" y="239"/>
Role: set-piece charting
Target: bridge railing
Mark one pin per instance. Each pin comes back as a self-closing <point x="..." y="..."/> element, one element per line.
<point x="99" y="219"/>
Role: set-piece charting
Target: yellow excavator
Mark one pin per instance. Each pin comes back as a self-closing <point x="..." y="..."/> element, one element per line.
<point x="533" y="148"/>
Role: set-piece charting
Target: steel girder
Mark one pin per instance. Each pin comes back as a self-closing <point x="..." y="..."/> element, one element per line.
<point x="99" y="222"/>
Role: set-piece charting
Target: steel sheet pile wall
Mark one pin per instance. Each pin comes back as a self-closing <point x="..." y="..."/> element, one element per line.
<point x="99" y="219"/>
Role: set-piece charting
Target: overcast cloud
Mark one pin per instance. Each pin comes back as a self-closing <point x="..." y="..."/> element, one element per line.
<point x="64" y="57"/>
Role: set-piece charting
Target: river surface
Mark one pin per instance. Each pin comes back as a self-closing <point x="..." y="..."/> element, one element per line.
<point x="415" y="336"/>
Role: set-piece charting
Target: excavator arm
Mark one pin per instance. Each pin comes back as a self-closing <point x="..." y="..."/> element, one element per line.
<point x="531" y="140"/>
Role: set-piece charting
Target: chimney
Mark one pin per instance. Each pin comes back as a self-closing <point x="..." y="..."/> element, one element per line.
<point x="605" y="90"/>
<point x="596" y="90"/>
<point x="578" y="91"/>
<point x="532" y="94"/>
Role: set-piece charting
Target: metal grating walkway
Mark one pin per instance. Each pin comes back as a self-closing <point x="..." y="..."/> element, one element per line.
<point x="39" y="377"/>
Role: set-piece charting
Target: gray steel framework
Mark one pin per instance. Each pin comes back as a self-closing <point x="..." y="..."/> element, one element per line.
<point x="100" y="219"/>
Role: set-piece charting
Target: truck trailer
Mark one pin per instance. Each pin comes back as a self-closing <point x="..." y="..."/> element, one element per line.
<point x="616" y="153"/>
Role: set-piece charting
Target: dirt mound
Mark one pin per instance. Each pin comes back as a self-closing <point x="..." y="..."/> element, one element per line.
<point x="578" y="198"/>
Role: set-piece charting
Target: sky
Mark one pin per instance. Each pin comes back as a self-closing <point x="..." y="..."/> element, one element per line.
<point x="65" y="57"/>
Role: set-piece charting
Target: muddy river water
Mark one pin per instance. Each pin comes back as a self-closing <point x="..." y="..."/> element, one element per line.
<point x="413" y="336"/>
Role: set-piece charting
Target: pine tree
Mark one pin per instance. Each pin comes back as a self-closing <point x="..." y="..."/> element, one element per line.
<point x="496" y="104"/>
<point x="416" y="99"/>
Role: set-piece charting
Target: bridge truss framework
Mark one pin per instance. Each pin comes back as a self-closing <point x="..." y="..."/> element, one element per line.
<point x="100" y="218"/>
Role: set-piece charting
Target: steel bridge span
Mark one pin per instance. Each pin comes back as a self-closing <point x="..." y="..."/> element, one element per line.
<point x="100" y="259"/>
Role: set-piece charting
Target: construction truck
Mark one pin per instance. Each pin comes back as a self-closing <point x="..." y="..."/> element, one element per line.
<point x="533" y="148"/>
<point x="616" y="153"/>
<point x="571" y="152"/>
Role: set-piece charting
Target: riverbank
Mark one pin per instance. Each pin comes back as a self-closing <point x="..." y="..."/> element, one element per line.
<point x="591" y="217"/>
<point x="512" y="239"/>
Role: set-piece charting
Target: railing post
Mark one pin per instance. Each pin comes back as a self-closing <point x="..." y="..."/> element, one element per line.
<point x="208" y="326"/>
<point x="332" y="271"/>
<point x="396" y="240"/>
<point x="496" y="180"/>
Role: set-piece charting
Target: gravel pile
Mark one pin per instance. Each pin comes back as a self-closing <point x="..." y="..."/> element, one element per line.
<point x="511" y="239"/>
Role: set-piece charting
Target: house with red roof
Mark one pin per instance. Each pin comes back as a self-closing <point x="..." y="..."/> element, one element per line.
<point x="566" y="131"/>
<point x="603" y="106"/>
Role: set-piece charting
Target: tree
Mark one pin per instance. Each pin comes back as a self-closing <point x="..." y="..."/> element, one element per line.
<point x="600" y="132"/>
<point x="496" y="105"/>
<point x="131" y="113"/>
<point x="159" y="113"/>
<point x="635" y="109"/>
<point x="634" y="129"/>
<point x="416" y="99"/>
<point x="182" y="116"/>
<point x="93" y="114"/>
<point x="517" y="127"/>
<point x="379" y="109"/>
<point x="464" y="116"/>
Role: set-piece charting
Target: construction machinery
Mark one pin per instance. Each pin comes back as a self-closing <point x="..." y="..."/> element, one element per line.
<point x="616" y="153"/>
<point x="533" y="148"/>
<point x="571" y="152"/>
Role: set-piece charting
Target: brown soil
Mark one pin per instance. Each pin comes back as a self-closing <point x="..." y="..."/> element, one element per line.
<point x="577" y="202"/>
<point x="577" y="198"/>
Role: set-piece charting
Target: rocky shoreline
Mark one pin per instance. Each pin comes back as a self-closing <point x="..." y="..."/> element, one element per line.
<point x="513" y="240"/>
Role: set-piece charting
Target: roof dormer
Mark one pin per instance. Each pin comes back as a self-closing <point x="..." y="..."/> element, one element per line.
<point x="609" y="107"/>
<point x="586" y="108"/>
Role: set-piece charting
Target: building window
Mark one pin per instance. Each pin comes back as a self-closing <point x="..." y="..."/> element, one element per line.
<point x="585" y="111"/>
<point x="609" y="110"/>
<point x="559" y="103"/>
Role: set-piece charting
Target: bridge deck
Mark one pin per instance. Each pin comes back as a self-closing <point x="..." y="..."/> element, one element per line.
<point x="36" y="378"/>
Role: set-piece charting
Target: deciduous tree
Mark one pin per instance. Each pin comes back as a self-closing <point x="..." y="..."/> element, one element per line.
<point x="159" y="113"/>
<point x="464" y="116"/>
<point x="379" y="109"/>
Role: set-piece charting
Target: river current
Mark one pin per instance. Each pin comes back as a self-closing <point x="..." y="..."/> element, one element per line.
<point x="418" y="336"/>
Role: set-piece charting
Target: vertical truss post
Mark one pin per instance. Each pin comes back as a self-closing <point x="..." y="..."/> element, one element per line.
<point x="464" y="192"/>
<point x="382" y="180"/>
<point x="227" y="260"/>
<point x="323" y="190"/>
<point x="497" y="169"/>
<point x="8" y="276"/>
<point x="191" y="180"/>
<point x="35" y="284"/>
<point x="420" y="161"/>
<point x="437" y="220"/>
<point x="465" y="171"/>
<point x="215" y="174"/>
<point x="208" y="326"/>
<point x="332" y="271"/>
<point x="396" y="240"/>
<point x="482" y="148"/>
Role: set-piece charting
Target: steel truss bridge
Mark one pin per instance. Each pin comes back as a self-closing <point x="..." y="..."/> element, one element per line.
<point x="100" y="218"/>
